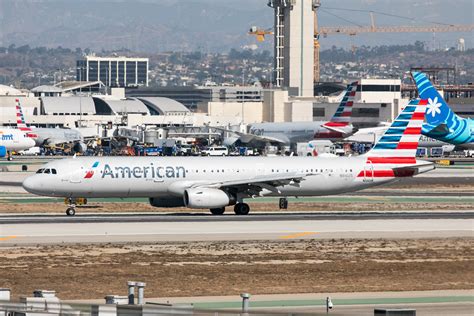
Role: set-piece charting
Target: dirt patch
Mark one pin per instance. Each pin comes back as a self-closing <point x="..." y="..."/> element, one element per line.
<point x="376" y="205"/>
<point x="229" y="268"/>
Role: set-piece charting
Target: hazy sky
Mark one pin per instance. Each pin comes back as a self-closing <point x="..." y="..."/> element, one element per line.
<point x="213" y="25"/>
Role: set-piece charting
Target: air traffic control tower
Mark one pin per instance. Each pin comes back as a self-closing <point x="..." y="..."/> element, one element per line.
<point x="294" y="45"/>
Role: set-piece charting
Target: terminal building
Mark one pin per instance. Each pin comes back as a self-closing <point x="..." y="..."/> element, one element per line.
<point x="114" y="71"/>
<point x="191" y="97"/>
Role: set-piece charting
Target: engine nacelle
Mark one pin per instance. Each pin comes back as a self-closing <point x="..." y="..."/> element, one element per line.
<point x="3" y="151"/>
<point x="166" y="202"/>
<point x="79" y="147"/>
<point x="207" y="198"/>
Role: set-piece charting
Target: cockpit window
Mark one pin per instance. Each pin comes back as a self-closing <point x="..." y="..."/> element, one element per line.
<point x="53" y="171"/>
<point x="47" y="171"/>
<point x="40" y="170"/>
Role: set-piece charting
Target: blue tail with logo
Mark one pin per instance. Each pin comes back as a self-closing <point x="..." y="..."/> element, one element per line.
<point x="441" y="122"/>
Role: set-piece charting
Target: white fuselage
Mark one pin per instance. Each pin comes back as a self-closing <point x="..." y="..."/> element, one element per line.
<point x="15" y="140"/>
<point x="171" y="176"/>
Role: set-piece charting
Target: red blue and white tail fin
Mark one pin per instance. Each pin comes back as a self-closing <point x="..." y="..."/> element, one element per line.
<point x="401" y="139"/>
<point x="394" y="155"/>
<point x="343" y="114"/>
<point x="399" y="142"/>
<point x="20" y="118"/>
<point x="20" y="121"/>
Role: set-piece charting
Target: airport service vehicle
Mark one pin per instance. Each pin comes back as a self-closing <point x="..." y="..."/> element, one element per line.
<point x="214" y="183"/>
<point x="51" y="137"/>
<point x="216" y="151"/>
<point x="441" y="122"/>
<point x="14" y="140"/>
<point x="314" y="148"/>
<point x="469" y="153"/>
<point x="290" y="133"/>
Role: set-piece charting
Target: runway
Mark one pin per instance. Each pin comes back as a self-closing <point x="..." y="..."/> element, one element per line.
<point x="36" y="230"/>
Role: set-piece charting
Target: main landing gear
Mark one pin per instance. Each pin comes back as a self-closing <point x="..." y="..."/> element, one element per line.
<point x="241" y="209"/>
<point x="218" y="211"/>
<point x="283" y="204"/>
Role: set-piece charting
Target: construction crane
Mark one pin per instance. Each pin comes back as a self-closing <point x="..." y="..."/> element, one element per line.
<point x="354" y="30"/>
<point x="260" y="33"/>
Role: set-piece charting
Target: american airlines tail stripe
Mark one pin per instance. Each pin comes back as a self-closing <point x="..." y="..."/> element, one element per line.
<point x="418" y="116"/>
<point x="407" y="145"/>
<point x="400" y="124"/>
<point x="385" y="146"/>
<point x="412" y="131"/>
<point x="390" y="139"/>
<point x="392" y="160"/>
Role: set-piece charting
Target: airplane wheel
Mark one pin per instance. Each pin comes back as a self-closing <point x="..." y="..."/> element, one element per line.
<point x="70" y="211"/>
<point x="218" y="211"/>
<point x="241" y="209"/>
<point x="283" y="204"/>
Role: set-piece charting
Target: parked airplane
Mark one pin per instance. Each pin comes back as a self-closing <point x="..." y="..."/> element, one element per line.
<point x="13" y="140"/>
<point x="50" y="136"/>
<point x="214" y="183"/>
<point x="441" y="122"/>
<point x="287" y="133"/>
<point x="371" y="135"/>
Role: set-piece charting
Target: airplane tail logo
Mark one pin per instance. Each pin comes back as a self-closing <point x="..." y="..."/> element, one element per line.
<point x="90" y="173"/>
<point x="20" y="121"/>
<point x="400" y="141"/>
<point x="437" y="111"/>
<point x="343" y="114"/>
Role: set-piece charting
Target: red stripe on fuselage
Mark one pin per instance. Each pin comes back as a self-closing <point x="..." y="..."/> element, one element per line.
<point x="376" y="174"/>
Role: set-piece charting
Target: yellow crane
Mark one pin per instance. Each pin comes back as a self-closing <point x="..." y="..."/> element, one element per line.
<point x="260" y="33"/>
<point x="354" y="30"/>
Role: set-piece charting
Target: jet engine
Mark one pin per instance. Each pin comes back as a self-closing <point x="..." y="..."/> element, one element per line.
<point x="166" y="202"/>
<point x="207" y="198"/>
<point x="79" y="147"/>
<point x="3" y="151"/>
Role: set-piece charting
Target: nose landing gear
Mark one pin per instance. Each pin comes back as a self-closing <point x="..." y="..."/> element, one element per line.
<point x="71" y="211"/>
<point x="72" y="203"/>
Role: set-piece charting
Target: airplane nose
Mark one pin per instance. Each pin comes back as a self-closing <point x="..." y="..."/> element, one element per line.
<point x="30" y="184"/>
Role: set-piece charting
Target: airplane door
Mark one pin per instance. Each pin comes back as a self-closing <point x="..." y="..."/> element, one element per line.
<point x="369" y="172"/>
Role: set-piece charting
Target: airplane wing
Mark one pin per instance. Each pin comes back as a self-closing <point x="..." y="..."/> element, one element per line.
<point x="250" y="187"/>
<point x="334" y="129"/>
<point x="247" y="138"/>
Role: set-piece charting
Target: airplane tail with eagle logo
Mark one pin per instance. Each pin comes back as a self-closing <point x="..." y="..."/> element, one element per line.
<point x="441" y="122"/>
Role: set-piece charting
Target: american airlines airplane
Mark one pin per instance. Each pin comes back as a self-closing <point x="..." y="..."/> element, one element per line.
<point x="288" y="133"/>
<point x="214" y="183"/>
<point x="50" y="136"/>
<point x="14" y="140"/>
